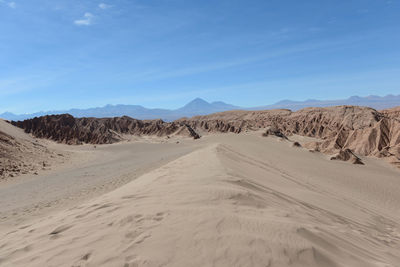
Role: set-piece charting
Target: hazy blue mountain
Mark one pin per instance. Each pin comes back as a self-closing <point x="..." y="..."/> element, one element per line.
<point x="376" y="102"/>
<point x="199" y="106"/>
<point x="196" y="107"/>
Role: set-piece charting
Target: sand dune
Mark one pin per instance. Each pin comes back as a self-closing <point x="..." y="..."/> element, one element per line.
<point x="240" y="200"/>
<point x="341" y="130"/>
<point x="91" y="172"/>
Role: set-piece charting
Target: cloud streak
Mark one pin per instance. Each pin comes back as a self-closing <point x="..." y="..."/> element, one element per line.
<point x="9" y="4"/>
<point x="104" y="6"/>
<point x="87" y="20"/>
<point x="159" y="74"/>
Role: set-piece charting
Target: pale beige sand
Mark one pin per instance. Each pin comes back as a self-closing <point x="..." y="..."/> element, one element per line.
<point x="87" y="173"/>
<point x="240" y="200"/>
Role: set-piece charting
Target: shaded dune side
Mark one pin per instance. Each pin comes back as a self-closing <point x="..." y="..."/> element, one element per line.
<point x="67" y="129"/>
<point x="240" y="212"/>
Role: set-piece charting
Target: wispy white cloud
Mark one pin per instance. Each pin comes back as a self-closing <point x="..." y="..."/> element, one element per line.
<point x="284" y="51"/>
<point x="9" y="4"/>
<point x="86" y="20"/>
<point x="104" y="6"/>
<point x="88" y="17"/>
<point x="159" y="74"/>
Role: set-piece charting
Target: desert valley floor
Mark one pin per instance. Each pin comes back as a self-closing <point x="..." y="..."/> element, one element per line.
<point x="221" y="200"/>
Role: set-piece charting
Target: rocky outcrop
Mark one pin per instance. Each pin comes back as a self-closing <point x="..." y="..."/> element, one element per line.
<point x="236" y="121"/>
<point x="274" y="131"/>
<point x="361" y="130"/>
<point x="347" y="155"/>
<point x="69" y="130"/>
<point x="393" y="113"/>
<point x="296" y="144"/>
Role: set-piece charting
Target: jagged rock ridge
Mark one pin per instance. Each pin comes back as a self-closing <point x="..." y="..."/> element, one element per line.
<point x="340" y="130"/>
<point x="69" y="130"/>
<point x="362" y="130"/>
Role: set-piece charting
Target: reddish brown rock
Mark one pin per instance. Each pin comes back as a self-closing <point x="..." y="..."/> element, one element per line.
<point x="296" y="144"/>
<point x="363" y="130"/>
<point x="69" y="130"/>
<point x="347" y="155"/>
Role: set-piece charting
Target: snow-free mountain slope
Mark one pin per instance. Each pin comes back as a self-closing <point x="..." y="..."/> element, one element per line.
<point x="201" y="107"/>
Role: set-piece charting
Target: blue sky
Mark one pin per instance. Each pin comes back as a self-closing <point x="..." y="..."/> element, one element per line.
<point x="60" y="54"/>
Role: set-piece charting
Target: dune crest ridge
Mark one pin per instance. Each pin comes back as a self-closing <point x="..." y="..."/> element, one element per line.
<point x="226" y="204"/>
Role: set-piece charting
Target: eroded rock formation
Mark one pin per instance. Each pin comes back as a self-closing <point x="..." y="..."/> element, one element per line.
<point x="360" y="130"/>
<point x="69" y="130"/>
<point x="347" y="155"/>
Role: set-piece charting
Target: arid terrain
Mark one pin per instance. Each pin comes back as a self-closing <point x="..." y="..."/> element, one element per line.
<point x="315" y="187"/>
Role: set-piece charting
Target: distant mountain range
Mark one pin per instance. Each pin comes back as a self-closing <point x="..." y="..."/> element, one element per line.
<point x="197" y="106"/>
<point x="373" y="101"/>
<point x="201" y="107"/>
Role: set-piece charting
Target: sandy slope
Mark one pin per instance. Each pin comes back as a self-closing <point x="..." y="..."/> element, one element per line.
<point x="241" y="200"/>
<point x="20" y="153"/>
<point x="91" y="172"/>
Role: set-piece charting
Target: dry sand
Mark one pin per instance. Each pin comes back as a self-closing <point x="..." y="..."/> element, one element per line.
<point x="88" y="172"/>
<point x="235" y="200"/>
